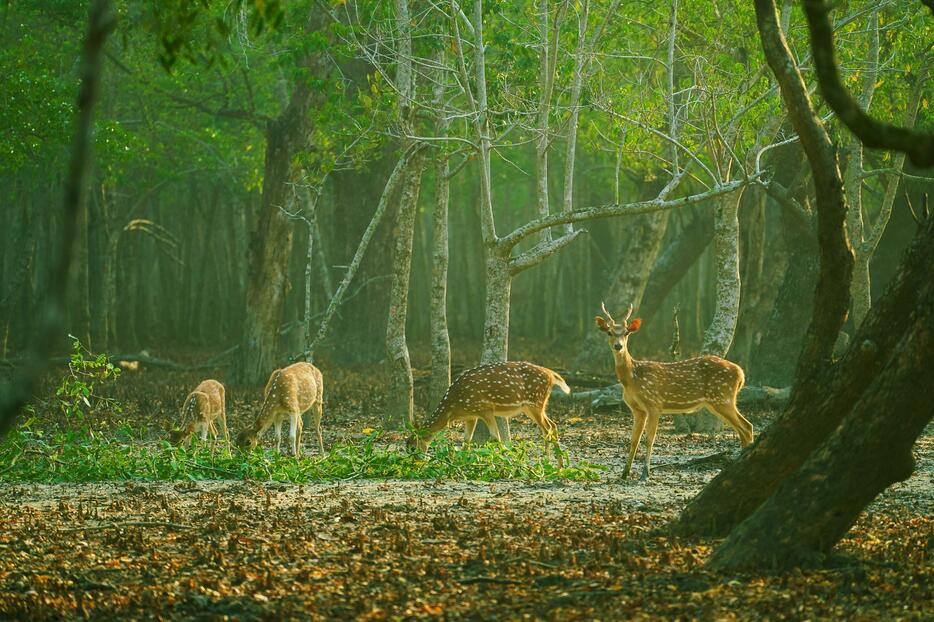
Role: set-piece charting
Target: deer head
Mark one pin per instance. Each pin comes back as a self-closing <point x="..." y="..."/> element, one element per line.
<point x="617" y="333"/>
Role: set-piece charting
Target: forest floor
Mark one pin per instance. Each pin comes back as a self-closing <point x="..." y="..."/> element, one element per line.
<point x="439" y="549"/>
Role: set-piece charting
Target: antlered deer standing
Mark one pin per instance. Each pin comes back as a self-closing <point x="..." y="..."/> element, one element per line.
<point x="498" y="390"/>
<point x="651" y="388"/>
<point x="201" y="408"/>
<point x="289" y="393"/>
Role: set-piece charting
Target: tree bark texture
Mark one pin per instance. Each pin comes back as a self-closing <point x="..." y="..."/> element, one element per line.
<point x="870" y="449"/>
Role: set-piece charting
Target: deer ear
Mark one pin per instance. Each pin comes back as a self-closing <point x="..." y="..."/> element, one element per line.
<point x="601" y="323"/>
<point x="634" y="325"/>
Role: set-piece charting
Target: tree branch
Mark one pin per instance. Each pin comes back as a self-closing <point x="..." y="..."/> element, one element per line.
<point x="919" y="146"/>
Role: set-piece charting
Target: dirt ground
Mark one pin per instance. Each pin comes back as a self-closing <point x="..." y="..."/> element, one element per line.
<point x="216" y="550"/>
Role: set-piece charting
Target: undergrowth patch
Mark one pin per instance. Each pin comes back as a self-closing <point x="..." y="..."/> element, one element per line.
<point x="28" y="455"/>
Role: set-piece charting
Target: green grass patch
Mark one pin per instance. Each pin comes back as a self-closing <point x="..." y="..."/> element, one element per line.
<point x="32" y="456"/>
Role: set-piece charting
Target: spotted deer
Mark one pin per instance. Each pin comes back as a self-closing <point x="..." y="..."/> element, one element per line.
<point x="289" y="393"/>
<point x="651" y="388"/>
<point x="202" y="407"/>
<point x="497" y="390"/>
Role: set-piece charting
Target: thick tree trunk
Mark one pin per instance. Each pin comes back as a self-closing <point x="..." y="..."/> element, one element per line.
<point x="870" y="449"/>
<point x="400" y="405"/>
<point x="271" y="247"/>
<point x="784" y="446"/>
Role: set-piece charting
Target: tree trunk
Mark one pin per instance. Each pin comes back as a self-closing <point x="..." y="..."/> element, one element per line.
<point x="870" y="449"/>
<point x="784" y="446"/>
<point x="13" y="398"/>
<point x="627" y="284"/>
<point x="271" y="248"/>
<point x="495" y="347"/>
<point x="400" y="404"/>
<point x="719" y="335"/>
<point x="680" y="254"/>
<point x="440" y="340"/>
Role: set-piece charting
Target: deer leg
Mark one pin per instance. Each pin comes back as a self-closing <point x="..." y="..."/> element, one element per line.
<point x="295" y="432"/>
<point x="490" y="422"/>
<point x="470" y="426"/>
<point x="651" y="429"/>
<point x="278" y="426"/>
<point x="729" y="413"/>
<point x="213" y="436"/>
<point x="319" y="413"/>
<point x="204" y="431"/>
<point x="638" y="424"/>
<point x="224" y="423"/>
<point x="552" y="434"/>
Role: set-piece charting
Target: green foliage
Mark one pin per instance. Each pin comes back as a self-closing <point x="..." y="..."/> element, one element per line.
<point x="34" y="456"/>
<point x="78" y="390"/>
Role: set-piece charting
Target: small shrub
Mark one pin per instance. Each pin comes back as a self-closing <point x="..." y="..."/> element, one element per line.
<point x="78" y="391"/>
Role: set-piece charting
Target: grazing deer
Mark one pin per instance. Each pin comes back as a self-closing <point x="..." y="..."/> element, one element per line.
<point x="497" y="390"/>
<point x="289" y="393"/>
<point x="651" y="389"/>
<point x="201" y="408"/>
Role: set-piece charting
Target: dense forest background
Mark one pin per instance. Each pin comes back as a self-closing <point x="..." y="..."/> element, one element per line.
<point x="182" y="151"/>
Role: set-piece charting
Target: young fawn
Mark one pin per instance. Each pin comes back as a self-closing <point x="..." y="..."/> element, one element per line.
<point x="289" y="393"/>
<point x="651" y="389"/>
<point x="201" y="408"/>
<point x="498" y="390"/>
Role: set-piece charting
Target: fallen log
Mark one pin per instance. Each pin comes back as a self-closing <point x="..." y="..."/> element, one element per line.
<point x="611" y="397"/>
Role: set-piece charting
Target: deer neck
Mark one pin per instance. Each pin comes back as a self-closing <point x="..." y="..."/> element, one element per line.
<point x="624" y="366"/>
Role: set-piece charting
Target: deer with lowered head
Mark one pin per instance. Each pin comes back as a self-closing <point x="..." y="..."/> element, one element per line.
<point x="289" y="393"/>
<point x="202" y="407"/>
<point x="652" y="388"/>
<point x="497" y="390"/>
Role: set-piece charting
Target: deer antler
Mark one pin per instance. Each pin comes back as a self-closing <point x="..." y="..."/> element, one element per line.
<point x="606" y="313"/>
<point x="628" y="313"/>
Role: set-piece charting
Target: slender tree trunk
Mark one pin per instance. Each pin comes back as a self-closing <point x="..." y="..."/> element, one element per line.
<point x="392" y="183"/>
<point x="400" y="404"/>
<point x="440" y="340"/>
<point x="719" y="335"/>
<point x="879" y="421"/>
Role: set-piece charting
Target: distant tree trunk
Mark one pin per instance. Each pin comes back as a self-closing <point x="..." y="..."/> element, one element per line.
<point x="736" y="492"/>
<point x="679" y="255"/>
<point x="628" y="282"/>
<point x="786" y="326"/>
<point x="879" y="401"/>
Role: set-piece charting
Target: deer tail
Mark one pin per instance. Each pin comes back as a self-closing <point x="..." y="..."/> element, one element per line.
<point x="558" y="380"/>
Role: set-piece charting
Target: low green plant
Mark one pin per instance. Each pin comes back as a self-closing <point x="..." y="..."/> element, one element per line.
<point x="33" y="456"/>
<point x="78" y="391"/>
